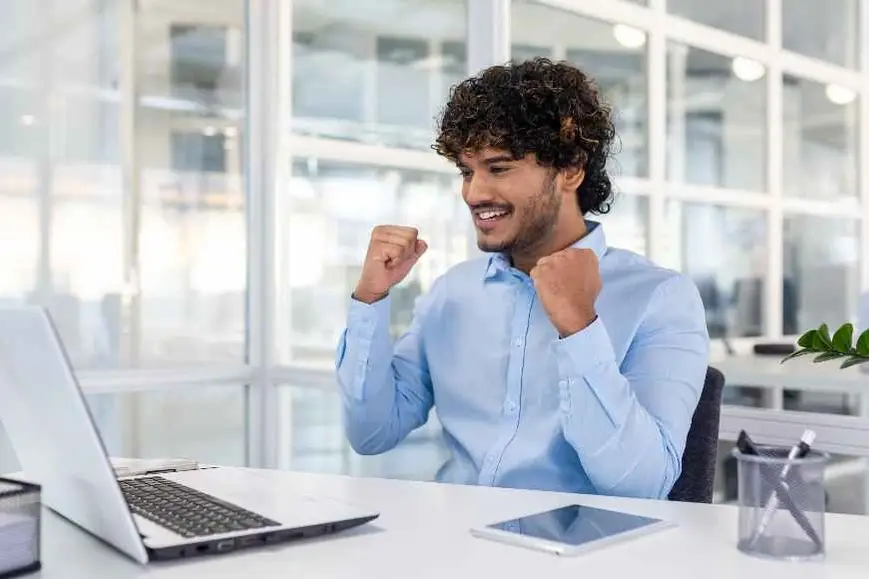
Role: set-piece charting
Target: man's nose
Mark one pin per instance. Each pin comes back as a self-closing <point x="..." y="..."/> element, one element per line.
<point x="475" y="191"/>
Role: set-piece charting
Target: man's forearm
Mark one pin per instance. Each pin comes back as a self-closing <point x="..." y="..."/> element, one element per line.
<point x="623" y="448"/>
<point x="381" y="403"/>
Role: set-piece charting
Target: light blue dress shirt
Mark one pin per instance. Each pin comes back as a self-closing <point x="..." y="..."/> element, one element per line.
<point x="603" y="411"/>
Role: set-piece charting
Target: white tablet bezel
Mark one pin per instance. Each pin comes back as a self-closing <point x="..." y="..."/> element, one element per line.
<point x="563" y="549"/>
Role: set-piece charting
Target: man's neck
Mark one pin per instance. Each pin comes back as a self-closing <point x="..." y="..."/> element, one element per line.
<point x="526" y="260"/>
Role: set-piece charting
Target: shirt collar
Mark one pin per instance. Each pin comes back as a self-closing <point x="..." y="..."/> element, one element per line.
<point x="594" y="240"/>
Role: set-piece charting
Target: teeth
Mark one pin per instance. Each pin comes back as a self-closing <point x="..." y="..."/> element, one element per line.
<point x="491" y="214"/>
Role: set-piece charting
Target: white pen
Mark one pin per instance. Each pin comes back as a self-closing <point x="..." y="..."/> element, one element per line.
<point x="800" y="450"/>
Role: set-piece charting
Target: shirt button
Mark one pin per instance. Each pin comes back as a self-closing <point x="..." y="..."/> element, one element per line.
<point x="518" y="342"/>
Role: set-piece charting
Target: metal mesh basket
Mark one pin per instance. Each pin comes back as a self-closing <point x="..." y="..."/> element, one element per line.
<point x="20" y="511"/>
<point x="782" y="504"/>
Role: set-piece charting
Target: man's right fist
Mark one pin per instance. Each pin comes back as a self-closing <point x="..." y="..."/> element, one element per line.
<point x="392" y="252"/>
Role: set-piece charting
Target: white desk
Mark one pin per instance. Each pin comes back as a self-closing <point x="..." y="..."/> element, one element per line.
<point x="797" y="374"/>
<point x="423" y="533"/>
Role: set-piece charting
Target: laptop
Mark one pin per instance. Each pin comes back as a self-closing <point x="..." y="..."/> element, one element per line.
<point x="151" y="517"/>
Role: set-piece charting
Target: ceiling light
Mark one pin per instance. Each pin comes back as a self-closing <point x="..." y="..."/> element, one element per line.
<point x="839" y="95"/>
<point x="628" y="36"/>
<point x="747" y="69"/>
<point x="209" y="131"/>
<point x="230" y="132"/>
<point x="27" y="120"/>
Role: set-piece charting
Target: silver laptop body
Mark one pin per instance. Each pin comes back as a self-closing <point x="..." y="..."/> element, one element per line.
<point x="152" y="517"/>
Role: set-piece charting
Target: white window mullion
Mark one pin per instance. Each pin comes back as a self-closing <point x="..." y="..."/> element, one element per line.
<point x="175" y="379"/>
<point x="863" y="146"/>
<point x="845" y="207"/>
<point x="717" y="196"/>
<point x="657" y="139"/>
<point x="622" y="12"/>
<point x="773" y="295"/>
<point x="489" y="33"/>
<point x="269" y="41"/>
<point x="341" y="151"/>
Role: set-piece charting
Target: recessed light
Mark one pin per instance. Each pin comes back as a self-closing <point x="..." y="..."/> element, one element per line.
<point x="839" y="95"/>
<point x="628" y="36"/>
<point x="747" y="69"/>
<point x="209" y="131"/>
<point x="27" y="120"/>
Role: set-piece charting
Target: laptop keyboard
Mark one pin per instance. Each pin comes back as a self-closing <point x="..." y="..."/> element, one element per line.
<point x="185" y="511"/>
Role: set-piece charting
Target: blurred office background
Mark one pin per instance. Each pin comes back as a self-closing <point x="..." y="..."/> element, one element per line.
<point x="195" y="219"/>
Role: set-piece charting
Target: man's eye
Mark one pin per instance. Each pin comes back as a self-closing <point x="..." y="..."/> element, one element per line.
<point x="497" y="170"/>
<point x="465" y="174"/>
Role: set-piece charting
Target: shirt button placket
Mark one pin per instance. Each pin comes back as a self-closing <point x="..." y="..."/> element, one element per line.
<point x="515" y="363"/>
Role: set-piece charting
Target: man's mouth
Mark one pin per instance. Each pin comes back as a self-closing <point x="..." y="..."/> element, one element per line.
<point x="490" y="214"/>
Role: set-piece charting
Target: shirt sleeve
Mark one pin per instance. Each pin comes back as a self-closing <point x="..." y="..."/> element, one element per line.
<point x="386" y="389"/>
<point x="628" y="424"/>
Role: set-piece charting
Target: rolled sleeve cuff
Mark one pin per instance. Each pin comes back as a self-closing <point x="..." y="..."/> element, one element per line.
<point x="579" y="353"/>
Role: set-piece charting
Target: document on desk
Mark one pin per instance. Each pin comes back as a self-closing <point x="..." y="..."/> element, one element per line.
<point x="138" y="466"/>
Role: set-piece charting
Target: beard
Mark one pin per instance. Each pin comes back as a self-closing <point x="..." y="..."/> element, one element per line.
<point x="536" y="221"/>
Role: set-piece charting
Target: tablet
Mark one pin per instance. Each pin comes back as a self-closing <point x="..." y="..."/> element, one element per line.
<point x="571" y="529"/>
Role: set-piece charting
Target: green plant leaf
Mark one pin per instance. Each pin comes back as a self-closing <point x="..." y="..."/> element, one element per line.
<point x="843" y="338"/>
<point x="797" y="354"/>
<point x="853" y="361"/>
<point x="823" y="341"/>
<point x="863" y="344"/>
<point x="827" y="356"/>
<point x="807" y="340"/>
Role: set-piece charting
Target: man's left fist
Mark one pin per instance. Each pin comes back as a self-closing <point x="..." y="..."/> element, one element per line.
<point x="568" y="283"/>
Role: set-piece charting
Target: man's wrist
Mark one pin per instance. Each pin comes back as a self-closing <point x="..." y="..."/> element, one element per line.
<point x="577" y="323"/>
<point x="368" y="297"/>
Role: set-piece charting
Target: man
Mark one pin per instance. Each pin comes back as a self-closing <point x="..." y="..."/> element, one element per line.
<point x="554" y="361"/>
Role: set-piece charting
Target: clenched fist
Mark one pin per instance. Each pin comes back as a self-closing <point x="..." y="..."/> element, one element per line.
<point x="392" y="252"/>
<point x="568" y="283"/>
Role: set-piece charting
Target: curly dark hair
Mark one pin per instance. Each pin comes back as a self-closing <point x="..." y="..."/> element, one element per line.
<point x="551" y="109"/>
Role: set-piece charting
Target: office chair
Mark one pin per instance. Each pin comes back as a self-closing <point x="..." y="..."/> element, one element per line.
<point x="701" y="447"/>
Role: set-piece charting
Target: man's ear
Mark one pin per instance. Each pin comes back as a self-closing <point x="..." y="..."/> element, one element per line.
<point x="572" y="178"/>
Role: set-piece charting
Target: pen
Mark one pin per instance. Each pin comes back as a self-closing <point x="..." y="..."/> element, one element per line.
<point x="747" y="446"/>
<point x="799" y="450"/>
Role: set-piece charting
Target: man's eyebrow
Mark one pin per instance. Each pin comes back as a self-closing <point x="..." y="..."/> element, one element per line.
<point x="498" y="159"/>
<point x="489" y="161"/>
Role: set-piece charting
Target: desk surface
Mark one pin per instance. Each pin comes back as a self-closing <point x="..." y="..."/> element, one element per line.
<point x="423" y="533"/>
<point x="798" y="374"/>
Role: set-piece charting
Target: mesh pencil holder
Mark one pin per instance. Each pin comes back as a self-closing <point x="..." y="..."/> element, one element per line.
<point x="781" y="504"/>
<point x="20" y="512"/>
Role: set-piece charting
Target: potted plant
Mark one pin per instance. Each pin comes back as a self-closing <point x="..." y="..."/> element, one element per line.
<point x="839" y="346"/>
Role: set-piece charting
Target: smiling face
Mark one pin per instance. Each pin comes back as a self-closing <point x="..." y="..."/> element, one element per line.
<point x="518" y="206"/>
<point x="532" y="140"/>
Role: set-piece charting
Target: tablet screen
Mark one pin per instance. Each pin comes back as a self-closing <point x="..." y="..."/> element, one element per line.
<point x="576" y="525"/>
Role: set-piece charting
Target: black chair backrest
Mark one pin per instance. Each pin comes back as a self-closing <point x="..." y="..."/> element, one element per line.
<point x="696" y="482"/>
